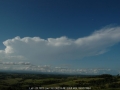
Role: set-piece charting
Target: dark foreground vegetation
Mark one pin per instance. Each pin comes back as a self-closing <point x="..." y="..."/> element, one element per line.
<point x="19" y="81"/>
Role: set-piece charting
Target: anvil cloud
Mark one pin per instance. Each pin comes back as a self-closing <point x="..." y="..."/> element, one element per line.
<point x="62" y="48"/>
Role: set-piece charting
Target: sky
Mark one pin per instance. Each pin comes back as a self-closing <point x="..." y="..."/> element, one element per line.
<point x="65" y="36"/>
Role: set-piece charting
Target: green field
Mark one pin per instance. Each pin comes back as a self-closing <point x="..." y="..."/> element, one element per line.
<point x="17" y="81"/>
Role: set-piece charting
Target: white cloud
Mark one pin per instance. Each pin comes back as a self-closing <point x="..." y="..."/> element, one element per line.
<point x="15" y="63"/>
<point x="62" y="48"/>
<point x="49" y="69"/>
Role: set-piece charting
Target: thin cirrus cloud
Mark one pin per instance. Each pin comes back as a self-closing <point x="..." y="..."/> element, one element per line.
<point x="62" y="48"/>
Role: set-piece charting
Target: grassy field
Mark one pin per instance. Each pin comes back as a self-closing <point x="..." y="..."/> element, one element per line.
<point x="15" y="81"/>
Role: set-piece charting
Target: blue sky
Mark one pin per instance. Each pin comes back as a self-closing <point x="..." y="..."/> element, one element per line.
<point x="38" y="30"/>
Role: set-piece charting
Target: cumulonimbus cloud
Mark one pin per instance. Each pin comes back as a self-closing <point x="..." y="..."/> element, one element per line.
<point x="62" y="48"/>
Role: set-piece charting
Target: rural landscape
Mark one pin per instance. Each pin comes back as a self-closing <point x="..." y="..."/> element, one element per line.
<point x="29" y="81"/>
<point x="59" y="44"/>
